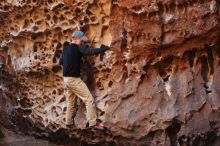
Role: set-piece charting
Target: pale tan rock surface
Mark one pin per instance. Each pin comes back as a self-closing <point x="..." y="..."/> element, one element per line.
<point x="158" y="86"/>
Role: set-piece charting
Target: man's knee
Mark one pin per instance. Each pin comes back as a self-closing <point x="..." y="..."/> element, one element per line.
<point x="89" y="101"/>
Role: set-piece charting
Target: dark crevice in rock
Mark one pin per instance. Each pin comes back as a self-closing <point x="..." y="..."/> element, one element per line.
<point x="199" y="139"/>
<point x="124" y="39"/>
<point x="1" y="133"/>
<point x="56" y="68"/>
<point x="211" y="138"/>
<point x="36" y="74"/>
<point x="165" y="67"/>
<point x="210" y="58"/>
<point x="217" y="48"/>
<point x="204" y="68"/>
<point x="172" y="131"/>
<point x="191" y="54"/>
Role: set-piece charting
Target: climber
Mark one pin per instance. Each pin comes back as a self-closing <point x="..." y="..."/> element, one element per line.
<point x="74" y="86"/>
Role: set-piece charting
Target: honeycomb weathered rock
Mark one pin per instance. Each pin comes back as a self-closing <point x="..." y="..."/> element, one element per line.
<point x="159" y="84"/>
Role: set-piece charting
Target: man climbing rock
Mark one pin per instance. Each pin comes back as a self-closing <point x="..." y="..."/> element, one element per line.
<point x="74" y="86"/>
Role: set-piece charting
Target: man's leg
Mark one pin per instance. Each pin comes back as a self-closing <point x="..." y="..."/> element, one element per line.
<point x="70" y="99"/>
<point x="82" y="91"/>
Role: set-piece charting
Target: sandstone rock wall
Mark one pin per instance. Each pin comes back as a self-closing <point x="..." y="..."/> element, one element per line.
<point x="159" y="84"/>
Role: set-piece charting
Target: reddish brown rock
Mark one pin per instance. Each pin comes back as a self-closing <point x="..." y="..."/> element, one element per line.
<point x="158" y="86"/>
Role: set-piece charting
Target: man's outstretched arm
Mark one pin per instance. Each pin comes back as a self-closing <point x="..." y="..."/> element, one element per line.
<point x="89" y="51"/>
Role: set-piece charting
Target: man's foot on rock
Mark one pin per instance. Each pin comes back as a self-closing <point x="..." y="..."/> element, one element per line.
<point x="69" y="125"/>
<point x="92" y="143"/>
<point x="99" y="126"/>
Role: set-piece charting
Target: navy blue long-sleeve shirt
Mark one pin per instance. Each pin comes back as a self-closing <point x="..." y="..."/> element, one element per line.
<point x="71" y="58"/>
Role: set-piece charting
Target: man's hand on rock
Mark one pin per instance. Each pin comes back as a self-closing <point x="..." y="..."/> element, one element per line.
<point x="104" y="46"/>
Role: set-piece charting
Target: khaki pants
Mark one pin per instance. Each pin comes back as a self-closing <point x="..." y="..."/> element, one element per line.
<point x="76" y="87"/>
